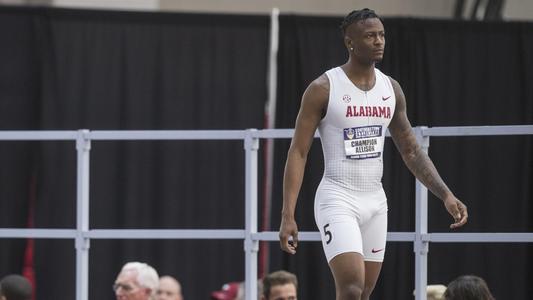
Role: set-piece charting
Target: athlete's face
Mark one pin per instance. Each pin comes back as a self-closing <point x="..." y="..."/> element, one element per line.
<point x="367" y="38"/>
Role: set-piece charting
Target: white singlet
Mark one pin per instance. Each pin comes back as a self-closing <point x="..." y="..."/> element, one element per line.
<point x="350" y="204"/>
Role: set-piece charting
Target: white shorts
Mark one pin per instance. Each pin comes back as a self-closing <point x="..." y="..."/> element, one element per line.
<point x="351" y="221"/>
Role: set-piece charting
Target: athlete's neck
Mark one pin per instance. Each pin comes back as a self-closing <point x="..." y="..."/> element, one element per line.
<point x="362" y="75"/>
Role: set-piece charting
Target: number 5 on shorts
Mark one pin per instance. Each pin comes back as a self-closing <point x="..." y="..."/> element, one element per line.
<point x="328" y="234"/>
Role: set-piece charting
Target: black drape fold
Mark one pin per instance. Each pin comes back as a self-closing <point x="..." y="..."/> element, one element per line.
<point x="71" y="69"/>
<point x="19" y="96"/>
<point x="121" y="70"/>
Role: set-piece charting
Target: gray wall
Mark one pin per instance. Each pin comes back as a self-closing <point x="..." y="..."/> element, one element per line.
<point x="513" y="9"/>
<point x="318" y="7"/>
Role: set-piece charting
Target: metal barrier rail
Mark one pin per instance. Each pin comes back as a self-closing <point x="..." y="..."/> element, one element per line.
<point x="82" y="234"/>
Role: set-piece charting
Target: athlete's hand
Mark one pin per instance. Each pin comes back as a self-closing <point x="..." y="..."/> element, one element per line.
<point x="288" y="229"/>
<point x="458" y="211"/>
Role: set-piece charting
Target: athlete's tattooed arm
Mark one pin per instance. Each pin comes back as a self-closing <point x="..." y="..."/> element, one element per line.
<point x="419" y="162"/>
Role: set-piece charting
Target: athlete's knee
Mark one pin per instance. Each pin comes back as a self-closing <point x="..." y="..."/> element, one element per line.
<point x="352" y="291"/>
<point x="367" y="291"/>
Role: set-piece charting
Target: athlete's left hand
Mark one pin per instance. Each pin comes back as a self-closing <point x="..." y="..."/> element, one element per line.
<point x="458" y="210"/>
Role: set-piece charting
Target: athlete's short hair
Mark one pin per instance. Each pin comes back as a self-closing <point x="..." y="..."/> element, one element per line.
<point x="357" y="15"/>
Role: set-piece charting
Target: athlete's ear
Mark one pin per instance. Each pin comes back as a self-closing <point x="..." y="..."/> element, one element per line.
<point x="348" y="43"/>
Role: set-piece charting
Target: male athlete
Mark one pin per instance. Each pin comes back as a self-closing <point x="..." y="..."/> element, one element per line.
<point x="352" y="106"/>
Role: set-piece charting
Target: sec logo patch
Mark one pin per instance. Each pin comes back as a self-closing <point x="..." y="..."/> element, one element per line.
<point x="346" y="98"/>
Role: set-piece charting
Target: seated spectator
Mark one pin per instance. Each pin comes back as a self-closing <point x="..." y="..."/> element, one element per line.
<point x="280" y="285"/>
<point x="229" y="291"/>
<point x="15" y="287"/>
<point x="136" y="281"/>
<point x="169" y="289"/>
<point x="235" y="291"/>
<point x="468" y="287"/>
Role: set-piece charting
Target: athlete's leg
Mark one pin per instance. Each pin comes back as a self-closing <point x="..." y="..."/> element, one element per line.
<point x="348" y="270"/>
<point x="372" y="270"/>
<point x="374" y="234"/>
<point x="337" y="216"/>
<point x="341" y="240"/>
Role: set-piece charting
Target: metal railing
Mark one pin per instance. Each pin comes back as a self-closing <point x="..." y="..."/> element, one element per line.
<point x="82" y="234"/>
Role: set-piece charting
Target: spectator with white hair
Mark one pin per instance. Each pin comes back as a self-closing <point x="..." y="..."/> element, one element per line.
<point x="136" y="281"/>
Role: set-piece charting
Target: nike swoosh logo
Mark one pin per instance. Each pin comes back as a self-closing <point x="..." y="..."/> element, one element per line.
<point x="376" y="251"/>
<point x="385" y="98"/>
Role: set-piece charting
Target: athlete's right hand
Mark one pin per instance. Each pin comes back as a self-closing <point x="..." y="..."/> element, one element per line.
<point x="288" y="229"/>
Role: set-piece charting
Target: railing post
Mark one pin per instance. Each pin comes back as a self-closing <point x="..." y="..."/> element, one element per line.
<point x="421" y="245"/>
<point x="83" y="148"/>
<point x="251" y="246"/>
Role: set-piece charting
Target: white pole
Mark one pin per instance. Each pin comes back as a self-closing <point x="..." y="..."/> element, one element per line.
<point x="83" y="147"/>
<point x="421" y="246"/>
<point x="270" y="115"/>
<point x="251" y="246"/>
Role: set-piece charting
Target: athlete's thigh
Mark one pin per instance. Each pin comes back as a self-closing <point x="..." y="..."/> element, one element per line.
<point x="339" y="231"/>
<point x="372" y="270"/>
<point x="348" y="269"/>
<point x="374" y="236"/>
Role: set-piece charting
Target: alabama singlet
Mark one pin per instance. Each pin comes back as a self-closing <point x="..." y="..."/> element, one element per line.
<point x="350" y="204"/>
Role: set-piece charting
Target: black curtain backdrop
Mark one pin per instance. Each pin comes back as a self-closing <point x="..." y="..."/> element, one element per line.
<point x="19" y="91"/>
<point x="69" y="69"/>
<point x="453" y="74"/>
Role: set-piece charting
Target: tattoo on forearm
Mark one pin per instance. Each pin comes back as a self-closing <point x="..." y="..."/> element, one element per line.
<point x="419" y="163"/>
<point x="423" y="168"/>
